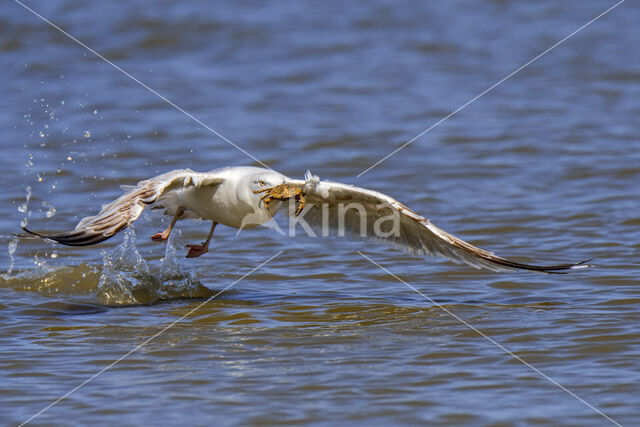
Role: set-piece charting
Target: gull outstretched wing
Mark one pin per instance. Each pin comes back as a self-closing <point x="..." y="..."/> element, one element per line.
<point x="355" y="211"/>
<point x="117" y="215"/>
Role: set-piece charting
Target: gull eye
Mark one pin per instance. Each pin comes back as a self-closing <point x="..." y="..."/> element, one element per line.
<point x="261" y="182"/>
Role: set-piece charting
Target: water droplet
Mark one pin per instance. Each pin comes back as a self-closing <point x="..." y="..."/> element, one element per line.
<point x="23" y="207"/>
<point x="13" y="245"/>
<point x="95" y="112"/>
<point x="51" y="210"/>
<point x="39" y="262"/>
<point x="42" y="134"/>
<point x="54" y="255"/>
<point x="87" y="134"/>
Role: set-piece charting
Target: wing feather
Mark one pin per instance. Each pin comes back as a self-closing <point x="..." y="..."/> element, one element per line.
<point x="415" y="234"/>
<point x="117" y="215"/>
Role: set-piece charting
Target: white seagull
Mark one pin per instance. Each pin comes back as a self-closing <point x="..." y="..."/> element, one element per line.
<point x="245" y="197"/>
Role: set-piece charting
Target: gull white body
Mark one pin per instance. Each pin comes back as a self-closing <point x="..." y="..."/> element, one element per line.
<point x="229" y="203"/>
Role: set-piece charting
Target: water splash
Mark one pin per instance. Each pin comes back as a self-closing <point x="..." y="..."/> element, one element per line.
<point x="120" y="272"/>
<point x="127" y="279"/>
<point x="13" y="245"/>
<point x="174" y="277"/>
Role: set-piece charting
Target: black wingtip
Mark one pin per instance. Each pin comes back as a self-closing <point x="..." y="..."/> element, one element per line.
<point x="32" y="233"/>
<point x="72" y="238"/>
<point x="582" y="264"/>
<point x="566" y="268"/>
<point x="549" y="269"/>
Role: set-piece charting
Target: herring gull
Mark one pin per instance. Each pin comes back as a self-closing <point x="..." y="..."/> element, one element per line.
<point x="245" y="197"/>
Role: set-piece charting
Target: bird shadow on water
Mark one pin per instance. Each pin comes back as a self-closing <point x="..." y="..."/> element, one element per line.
<point x="124" y="279"/>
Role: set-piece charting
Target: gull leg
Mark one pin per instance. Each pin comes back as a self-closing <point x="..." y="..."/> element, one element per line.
<point x="164" y="235"/>
<point x="197" y="250"/>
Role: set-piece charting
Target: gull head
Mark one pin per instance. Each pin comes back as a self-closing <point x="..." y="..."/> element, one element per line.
<point x="252" y="190"/>
<point x="263" y="180"/>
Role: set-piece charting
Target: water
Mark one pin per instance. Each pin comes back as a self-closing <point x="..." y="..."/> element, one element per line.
<point x="543" y="168"/>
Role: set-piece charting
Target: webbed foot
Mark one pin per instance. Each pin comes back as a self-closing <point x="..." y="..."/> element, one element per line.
<point x="196" y="250"/>
<point x="160" y="237"/>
